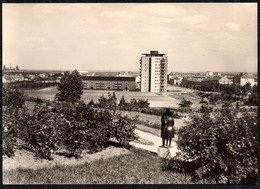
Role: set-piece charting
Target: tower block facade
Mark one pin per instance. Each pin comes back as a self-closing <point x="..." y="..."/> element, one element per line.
<point x="153" y="72"/>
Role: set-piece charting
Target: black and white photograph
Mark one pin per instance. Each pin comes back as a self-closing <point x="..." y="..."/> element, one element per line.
<point x="129" y="93"/>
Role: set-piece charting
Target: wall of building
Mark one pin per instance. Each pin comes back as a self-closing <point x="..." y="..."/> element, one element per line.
<point x="163" y="74"/>
<point x="145" y="74"/>
<point x="153" y="73"/>
<point x="243" y="81"/>
<point x="109" y="85"/>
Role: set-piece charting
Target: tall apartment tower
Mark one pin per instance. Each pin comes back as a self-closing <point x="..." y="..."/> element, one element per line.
<point x="153" y="72"/>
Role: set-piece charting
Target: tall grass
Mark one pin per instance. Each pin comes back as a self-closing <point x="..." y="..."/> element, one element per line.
<point x="138" y="167"/>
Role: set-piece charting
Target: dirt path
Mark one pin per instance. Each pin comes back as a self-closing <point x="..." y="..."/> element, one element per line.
<point x="156" y="140"/>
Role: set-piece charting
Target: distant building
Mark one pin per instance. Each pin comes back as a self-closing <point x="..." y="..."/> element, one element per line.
<point x="109" y="83"/>
<point x="214" y="79"/>
<point x="225" y="81"/>
<point x="12" y="78"/>
<point x="247" y="78"/>
<point x="177" y="80"/>
<point x="153" y="72"/>
<point x="138" y="82"/>
<point x="256" y="81"/>
<point x="195" y="78"/>
<point x="243" y="78"/>
<point x="171" y="76"/>
<point x="212" y="74"/>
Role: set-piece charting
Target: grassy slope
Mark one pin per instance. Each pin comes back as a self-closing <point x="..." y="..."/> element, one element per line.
<point x="139" y="167"/>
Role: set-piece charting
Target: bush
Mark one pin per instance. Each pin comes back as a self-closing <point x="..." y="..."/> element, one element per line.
<point x="108" y="103"/>
<point x="63" y="125"/>
<point x="12" y="97"/>
<point x="185" y="103"/>
<point x="220" y="145"/>
<point x="253" y="97"/>
<point x="33" y="85"/>
<point x="124" y="129"/>
<point x="8" y="136"/>
<point x="214" y="98"/>
<point x="39" y="130"/>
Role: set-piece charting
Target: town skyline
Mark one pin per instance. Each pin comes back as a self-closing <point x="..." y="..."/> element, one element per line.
<point x="196" y="37"/>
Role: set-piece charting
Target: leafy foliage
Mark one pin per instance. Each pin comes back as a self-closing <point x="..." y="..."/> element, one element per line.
<point x="70" y="87"/>
<point x="33" y="84"/>
<point x="185" y="103"/>
<point x="253" y="97"/>
<point x="64" y="125"/>
<point x="8" y="134"/>
<point x="220" y="145"/>
<point x="12" y="97"/>
<point x="108" y="103"/>
<point x="122" y="133"/>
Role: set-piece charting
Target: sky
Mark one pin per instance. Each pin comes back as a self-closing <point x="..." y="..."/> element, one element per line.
<point x="93" y="36"/>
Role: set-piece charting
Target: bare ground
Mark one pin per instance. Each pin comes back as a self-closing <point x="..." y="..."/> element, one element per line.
<point x="26" y="159"/>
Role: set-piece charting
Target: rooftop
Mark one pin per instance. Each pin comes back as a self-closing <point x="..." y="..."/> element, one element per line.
<point x="153" y="53"/>
<point x="104" y="78"/>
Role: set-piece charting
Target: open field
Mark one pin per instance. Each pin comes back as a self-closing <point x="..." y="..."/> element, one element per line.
<point x="167" y="99"/>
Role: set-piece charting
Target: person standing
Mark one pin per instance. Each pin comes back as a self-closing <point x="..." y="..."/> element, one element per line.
<point x="164" y="126"/>
<point x="169" y="134"/>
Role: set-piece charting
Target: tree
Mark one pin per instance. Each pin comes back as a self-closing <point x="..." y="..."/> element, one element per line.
<point x="70" y="87"/>
<point x="122" y="104"/>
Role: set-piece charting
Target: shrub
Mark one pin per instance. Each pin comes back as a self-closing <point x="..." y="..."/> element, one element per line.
<point x="64" y="125"/>
<point x="253" y="97"/>
<point x="91" y="103"/>
<point x="221" y="145"/>
<point x="8" y="136"/>
<point x="214" y="98"/>
<point x="185" y="103"/>
<point x="8" y="144"/>
<point x="124" y="129"/>
<point x="12" y="97"/>
<point x="39" y="130"/>
<point x="33" y="84"/>
<point x="108" y="103"/>
<point x="122" y="103"/>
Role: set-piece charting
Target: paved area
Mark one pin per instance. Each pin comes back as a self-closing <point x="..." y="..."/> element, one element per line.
<point x="156" y="140"/>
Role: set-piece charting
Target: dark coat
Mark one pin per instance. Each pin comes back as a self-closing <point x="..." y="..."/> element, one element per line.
<point x="169" y="133"/>
<point x="163" y="125"/>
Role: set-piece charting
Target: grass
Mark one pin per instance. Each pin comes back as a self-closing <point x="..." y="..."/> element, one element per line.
<point x="148" y="129"/>
<point x="141" y="140"/>
<point x="138" y="167"/>
<point x="170" y="99"/>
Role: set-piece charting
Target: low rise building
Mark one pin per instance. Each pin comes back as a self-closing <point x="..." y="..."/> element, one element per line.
<point x="225" y="80"/>
<point x="109" y="83"/>
<point x="196" y="78"/>
<point x="247" y="78"/>
<point x="177" y="80"/>
<point x="243" y="78"/>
